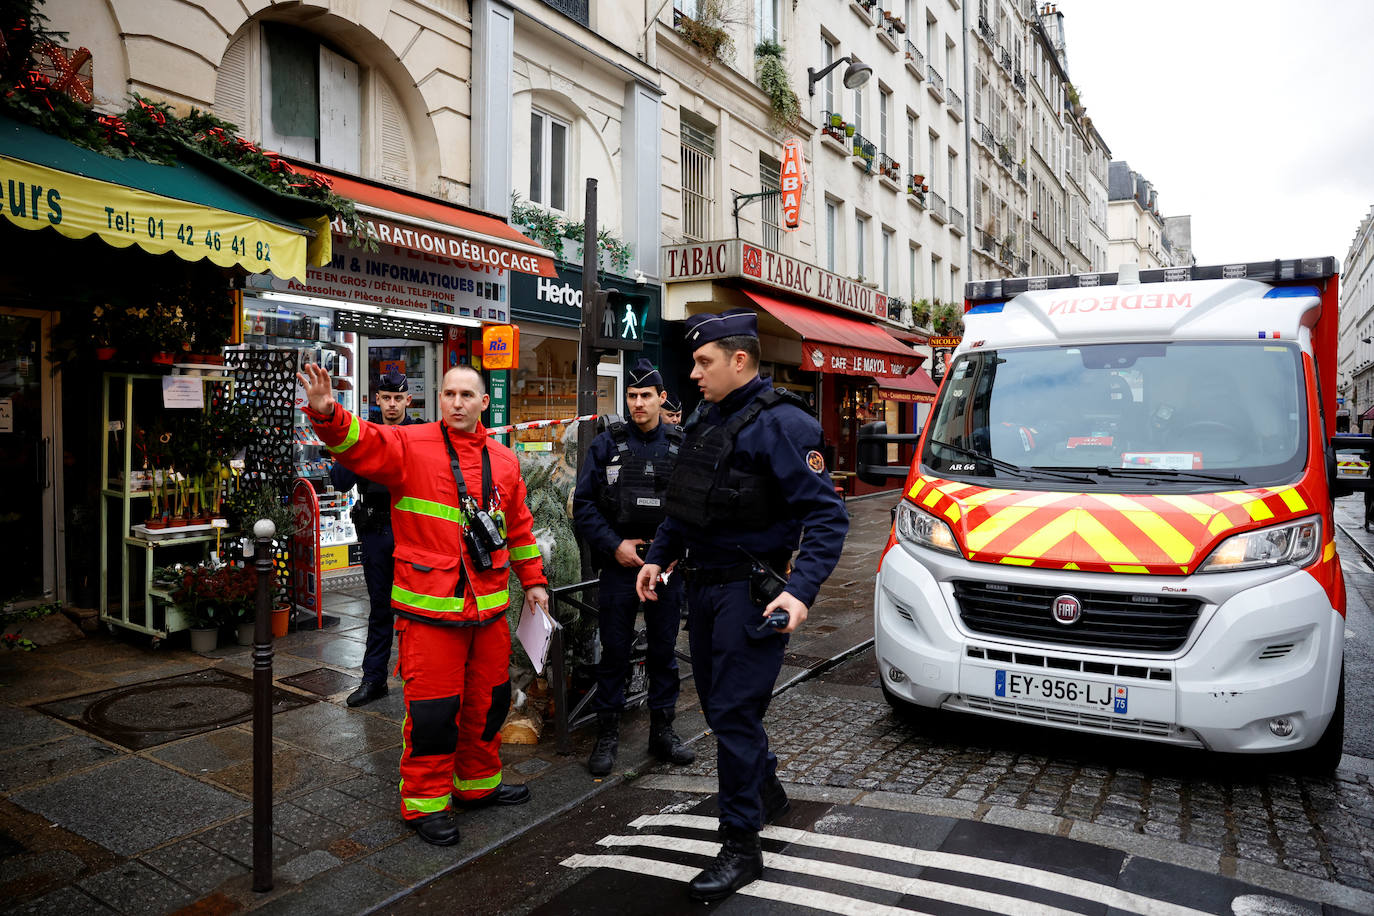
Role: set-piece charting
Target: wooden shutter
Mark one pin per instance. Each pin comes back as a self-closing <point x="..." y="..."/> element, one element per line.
<point x="231" y="84"/>
<point x="394" y="156"/>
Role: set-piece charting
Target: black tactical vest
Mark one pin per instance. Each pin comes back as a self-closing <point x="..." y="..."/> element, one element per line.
<point x="705" y="490"/>
<point x="634" y="502"/>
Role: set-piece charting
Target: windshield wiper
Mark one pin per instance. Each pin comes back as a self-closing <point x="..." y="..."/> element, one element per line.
<point x="1173" y="473"/>
<point x="1010" y="468"/>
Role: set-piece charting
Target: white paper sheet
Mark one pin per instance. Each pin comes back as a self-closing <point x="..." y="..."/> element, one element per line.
<point x="535" y="632"/>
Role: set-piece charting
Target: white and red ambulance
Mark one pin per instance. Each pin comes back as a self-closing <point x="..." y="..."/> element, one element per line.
<point x="1119" y="518"/>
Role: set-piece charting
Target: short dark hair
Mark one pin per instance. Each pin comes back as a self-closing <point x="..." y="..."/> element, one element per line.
<point x="746" y="342"/>
<point x="477" y="373"/>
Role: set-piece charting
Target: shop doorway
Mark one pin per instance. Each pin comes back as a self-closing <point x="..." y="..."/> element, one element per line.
<point x="30" y="461"/>
<point x="417" y="360"/>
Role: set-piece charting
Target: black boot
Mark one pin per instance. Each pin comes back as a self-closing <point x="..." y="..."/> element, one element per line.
<point x="437" y="829"/>
<point x="367" y="692"/>
<point x="739" y="861"/>
<point x="607" y="741"/>
<point x="775" y="802"/>
<point x="664" y="742"/>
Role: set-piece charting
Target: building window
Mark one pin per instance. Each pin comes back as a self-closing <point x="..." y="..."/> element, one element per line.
<point x="884" y="105"/>
<point x="887" y="259"/>
<point x="937" y="290"/>
<point x="311" y="99"/>
<point x="770" y="179"/>
<point x="698" y="163"/>
<point x="766" y="20"/>
<point x="913" y="261"/>
<point x="859" y="110"/>
<point x="828" y="58"/>
<point x="952" y="183"/>
<point x="832" y="232"/>
<point x="860" y="245"/>
<point x="548" y="160"/>
<point x="911" y="144"/>
<point x="933" y="141"/>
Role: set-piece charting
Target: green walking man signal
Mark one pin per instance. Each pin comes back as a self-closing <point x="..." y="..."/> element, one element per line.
<point x="618" y="320"/>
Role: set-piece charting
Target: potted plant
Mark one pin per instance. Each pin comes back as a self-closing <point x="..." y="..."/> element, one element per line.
<point x="849" y="130"/>
<point x="836" y="120"/>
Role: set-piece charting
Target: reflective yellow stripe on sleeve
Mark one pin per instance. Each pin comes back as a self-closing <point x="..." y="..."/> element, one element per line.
<point x="354" y="430"/>
<point x="525" y="552"/>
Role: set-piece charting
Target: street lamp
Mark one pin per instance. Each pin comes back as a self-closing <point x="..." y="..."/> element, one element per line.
<point x="855" y="75"/>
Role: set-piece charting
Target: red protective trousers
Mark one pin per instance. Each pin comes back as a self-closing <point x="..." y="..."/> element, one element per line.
<point x="457" y="693"/>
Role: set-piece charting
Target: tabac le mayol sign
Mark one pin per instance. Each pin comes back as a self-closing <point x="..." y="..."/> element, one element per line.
<point x="737" y="258"/>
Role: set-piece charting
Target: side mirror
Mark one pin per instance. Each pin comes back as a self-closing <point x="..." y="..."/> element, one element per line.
<point x="872" y="447"/>
<point x="1343" y="481"/>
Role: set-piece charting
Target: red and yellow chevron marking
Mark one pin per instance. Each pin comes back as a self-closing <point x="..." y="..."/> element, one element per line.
<point x="1101" y="532"/>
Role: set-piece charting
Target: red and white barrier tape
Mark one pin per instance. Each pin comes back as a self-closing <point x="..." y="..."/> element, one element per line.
<point x="538" y="424"/>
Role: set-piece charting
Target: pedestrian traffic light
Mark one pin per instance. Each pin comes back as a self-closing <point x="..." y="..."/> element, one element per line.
<point x="618" y="319"/>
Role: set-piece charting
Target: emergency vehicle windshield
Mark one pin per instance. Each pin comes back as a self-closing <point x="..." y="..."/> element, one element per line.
<point x="1186" y="414"/>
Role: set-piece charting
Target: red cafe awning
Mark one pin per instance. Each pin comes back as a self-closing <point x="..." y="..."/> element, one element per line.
<point x="832" y="343"/>
<point x="434" y="227"/>
<point x="918" y="387"/>
<point x="1368" y="414"/>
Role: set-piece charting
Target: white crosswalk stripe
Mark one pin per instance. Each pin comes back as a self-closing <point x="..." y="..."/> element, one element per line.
<point x="878" y="877"/>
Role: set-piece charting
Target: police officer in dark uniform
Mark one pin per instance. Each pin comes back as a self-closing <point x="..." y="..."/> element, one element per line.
<point x="672" y="410"/>
<point x="749" y="488"/>
<point x="617" y="506"/>
<point x="372" y="520"/>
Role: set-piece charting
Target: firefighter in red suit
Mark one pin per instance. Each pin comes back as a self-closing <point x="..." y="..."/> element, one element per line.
<point x="449" y="600"/>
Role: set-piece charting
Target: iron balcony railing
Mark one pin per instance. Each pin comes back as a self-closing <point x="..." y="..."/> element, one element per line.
<point x="953" y="100"/>
<point x="915" y="60"/>
<point x="833" y="125"/>
<point x="985" y="30"/>
<point x="937" y="207"/>
<point x="863" y="148"/>
<point x="987" y="242"/>
<point x="573" y="9"/>
<point x="986" y="137"/>
<point x="889" y="168"/>
<point x="937" y="82"/>
<point x="1018" y="80"/>
<point x="1004" y="58"/>
<point x="1004" y="156"/>
<point x="956" y="220"/>
<point x="1021" y="174"/>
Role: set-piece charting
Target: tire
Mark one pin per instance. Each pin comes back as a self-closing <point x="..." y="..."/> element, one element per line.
<point x="1322" y="758"/>
<point x="906" y="710"/>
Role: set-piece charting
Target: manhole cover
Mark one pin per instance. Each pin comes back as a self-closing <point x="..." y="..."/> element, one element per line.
<point x="322" y="681"/>
<point x="145" y="715"/>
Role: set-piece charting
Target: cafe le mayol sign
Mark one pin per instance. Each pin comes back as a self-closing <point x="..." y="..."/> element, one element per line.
<point x="738" y="258"/>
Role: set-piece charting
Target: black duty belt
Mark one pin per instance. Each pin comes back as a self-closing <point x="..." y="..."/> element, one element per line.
<point x="736" y="572"/>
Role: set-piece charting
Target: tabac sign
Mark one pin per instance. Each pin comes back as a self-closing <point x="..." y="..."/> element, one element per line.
<point x="793" y="180"/>
<point x="735" y="258"/>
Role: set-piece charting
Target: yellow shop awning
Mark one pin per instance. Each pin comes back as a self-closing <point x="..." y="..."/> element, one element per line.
<point x="197" y="209"/>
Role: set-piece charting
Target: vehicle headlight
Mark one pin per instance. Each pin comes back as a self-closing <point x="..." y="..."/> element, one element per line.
<point x="916" y="526"/>
<point x="1294" y="544"/>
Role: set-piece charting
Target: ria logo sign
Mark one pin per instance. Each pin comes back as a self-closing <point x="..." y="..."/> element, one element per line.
<point x="1067" y="609"/>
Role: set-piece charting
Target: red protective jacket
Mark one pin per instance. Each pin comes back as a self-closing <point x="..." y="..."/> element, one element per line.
<point x="412" y="462"/>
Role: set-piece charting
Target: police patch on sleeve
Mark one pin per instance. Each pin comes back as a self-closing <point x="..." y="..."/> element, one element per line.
<point x="815" y="461"/>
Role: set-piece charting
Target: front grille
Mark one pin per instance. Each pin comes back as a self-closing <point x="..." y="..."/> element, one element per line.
<point x="1028" y="712"/>
<point x="1109" y="620"/>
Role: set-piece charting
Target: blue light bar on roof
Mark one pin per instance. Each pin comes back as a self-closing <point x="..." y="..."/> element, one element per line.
<point x="1277" y="271"/>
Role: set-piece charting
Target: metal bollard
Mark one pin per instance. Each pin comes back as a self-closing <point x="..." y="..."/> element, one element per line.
<point x="262" y="708"/>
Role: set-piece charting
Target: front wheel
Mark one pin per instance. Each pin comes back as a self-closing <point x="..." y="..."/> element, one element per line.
<point x="1322" y="758"/>
<point x="906" y="710"/>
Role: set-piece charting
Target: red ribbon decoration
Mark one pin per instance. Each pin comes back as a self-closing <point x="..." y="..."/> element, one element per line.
<point x="113" y="126"/>
<point x="153" y="112"/>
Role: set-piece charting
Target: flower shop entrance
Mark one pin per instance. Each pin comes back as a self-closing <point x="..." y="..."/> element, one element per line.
<point x="30" y="451"/>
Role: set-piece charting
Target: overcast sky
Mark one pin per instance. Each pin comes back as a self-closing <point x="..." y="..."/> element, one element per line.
<point x="1255" y="117"/>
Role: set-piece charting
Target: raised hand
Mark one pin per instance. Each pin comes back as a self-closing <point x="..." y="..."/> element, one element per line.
<point x="318" y="391"/>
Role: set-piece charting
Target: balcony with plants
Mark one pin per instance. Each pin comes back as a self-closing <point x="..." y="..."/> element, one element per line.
<point x="915" y="60"/>
<point x="863" y="151"/>
<point x="889" y="170"/>
<point x="867" y="10"/>
<point x="917" y="189"/>
<point x="835" y="130"/>
<point x="891" y="28"/>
